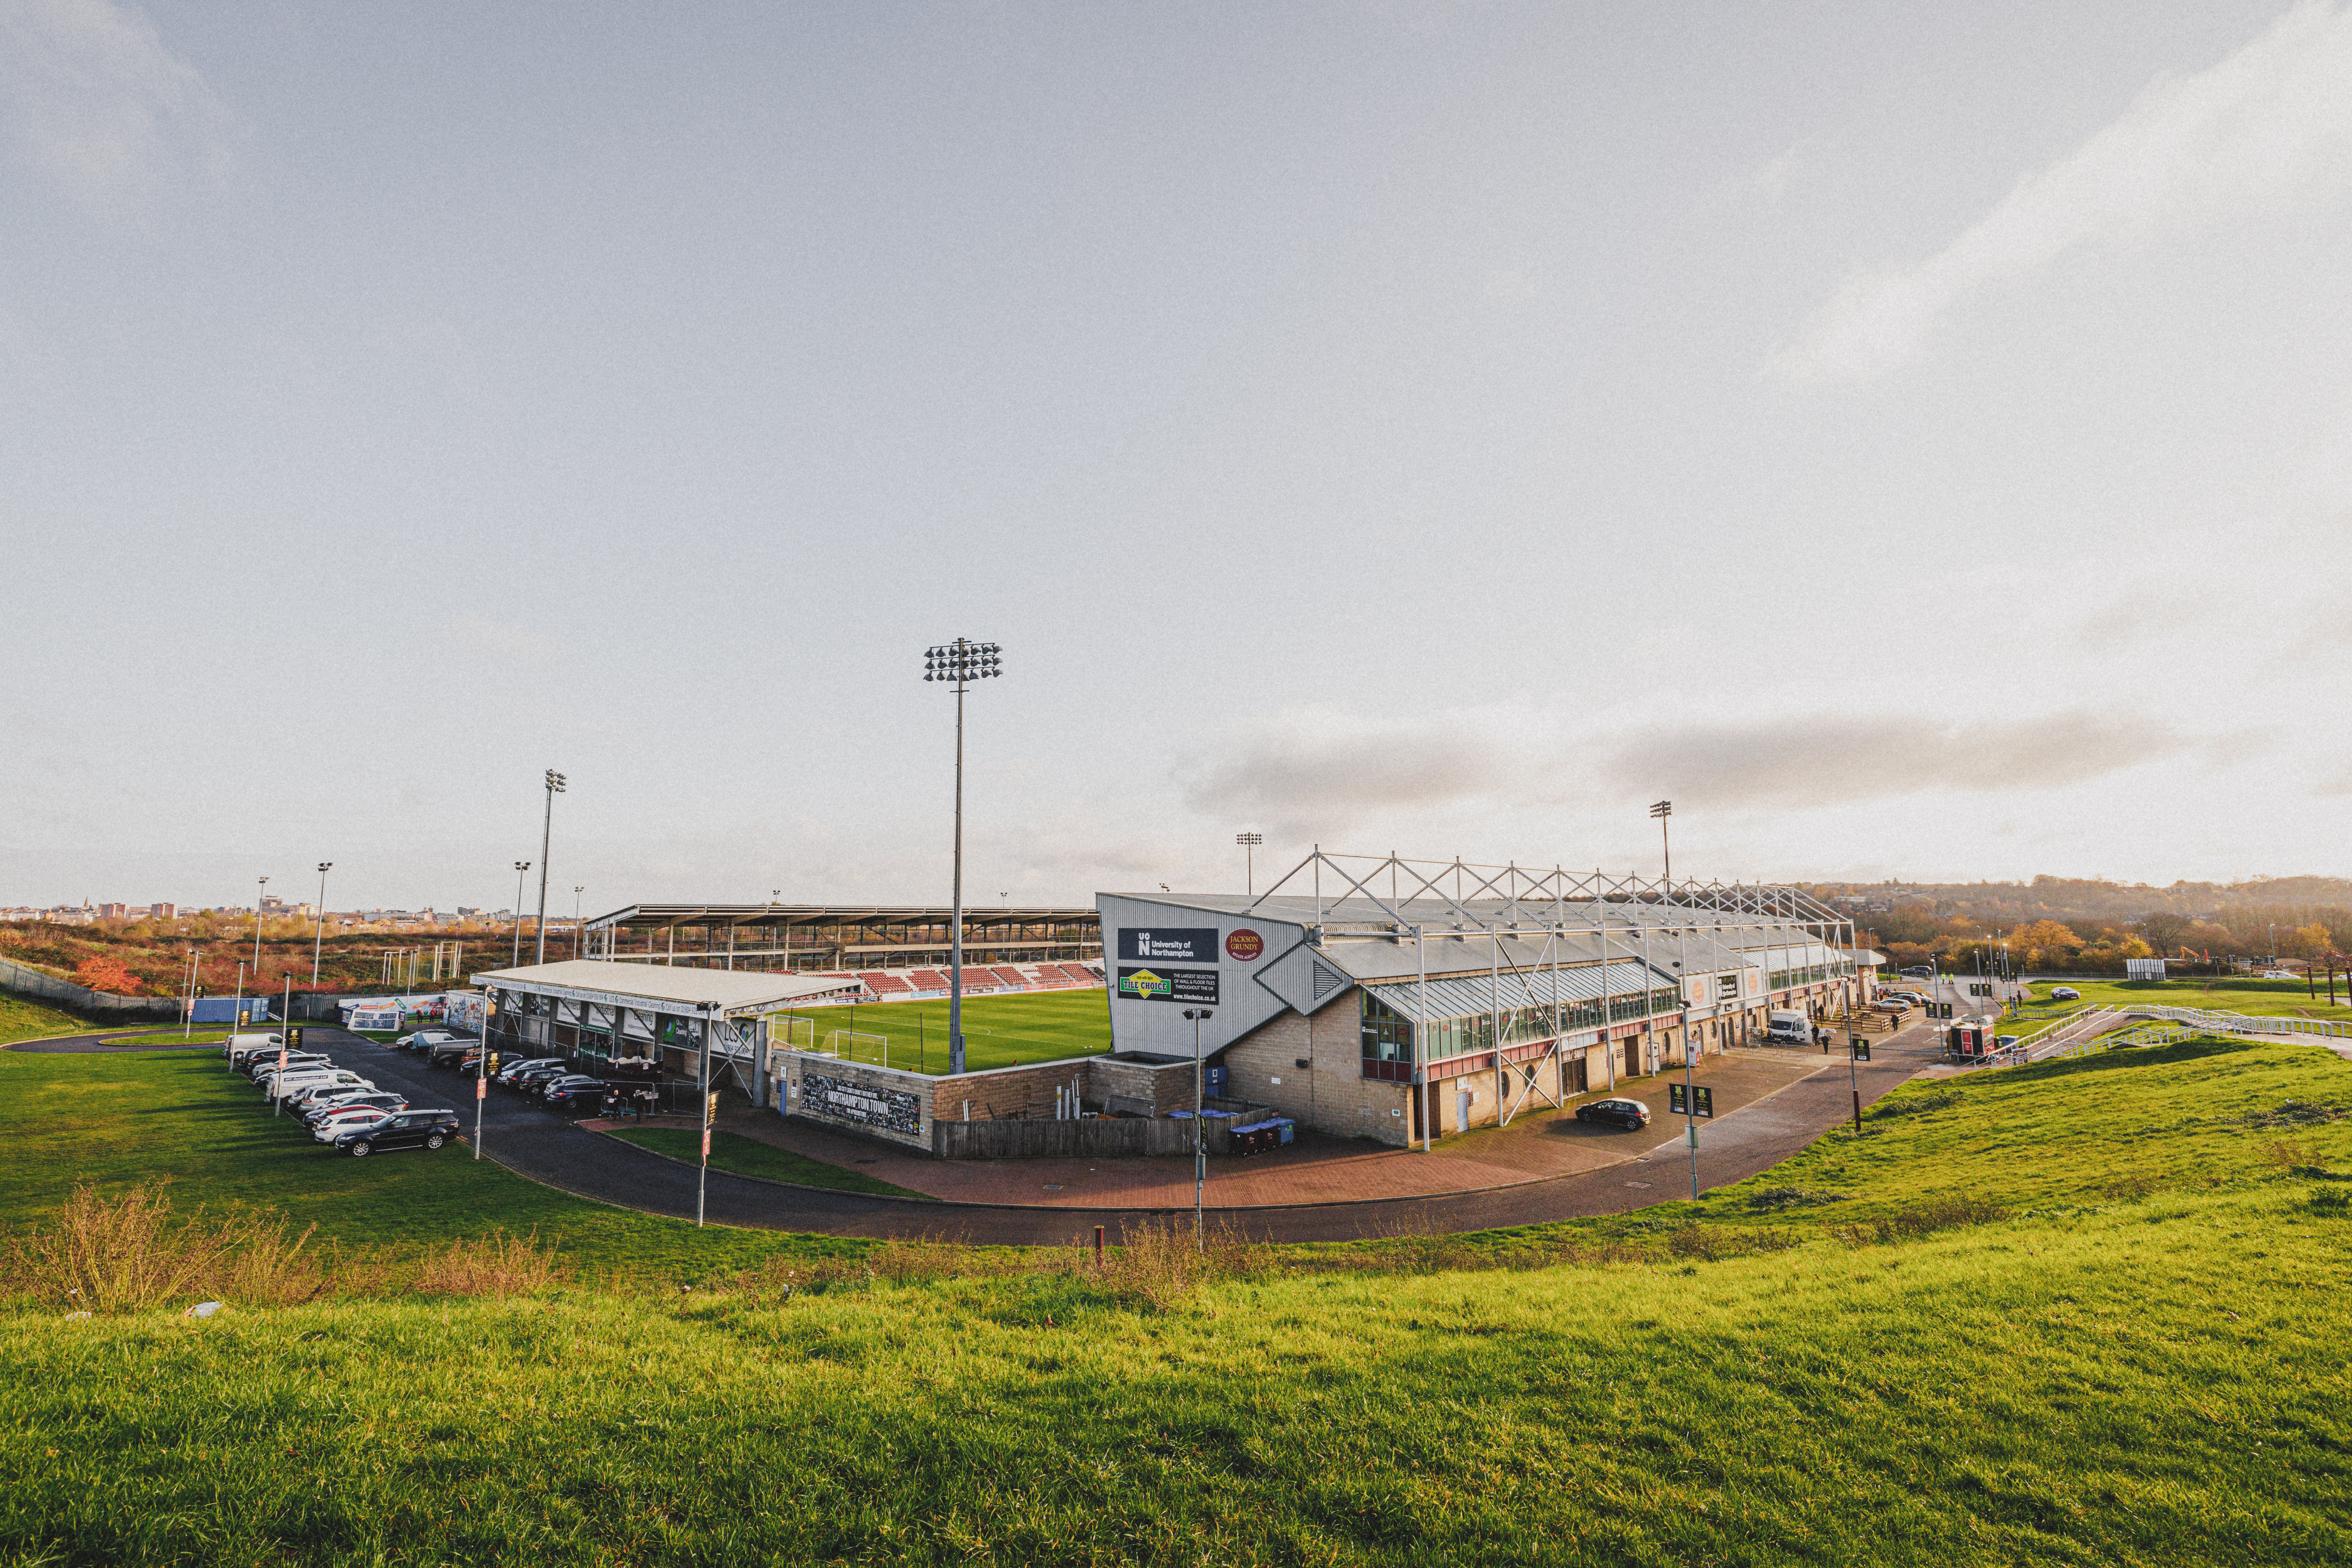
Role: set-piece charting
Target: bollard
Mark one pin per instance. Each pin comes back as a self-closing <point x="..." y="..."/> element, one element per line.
<point x="1098" y="1244"/>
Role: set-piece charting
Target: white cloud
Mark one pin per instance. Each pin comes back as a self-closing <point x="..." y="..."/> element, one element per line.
<point x="92" y="101"/>
<point x="2269" y="125"/>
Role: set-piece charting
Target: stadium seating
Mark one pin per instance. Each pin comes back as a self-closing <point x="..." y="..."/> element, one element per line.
<point x="927" y="979"/>
<point x="1012" y="977"/>
<point x="883" y="984"/>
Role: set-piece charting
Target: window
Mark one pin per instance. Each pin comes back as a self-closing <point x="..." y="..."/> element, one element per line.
<point x="1387" y="1033"/>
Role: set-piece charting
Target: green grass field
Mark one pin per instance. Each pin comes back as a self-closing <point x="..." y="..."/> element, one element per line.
<point x="2255" y="998"/>
<point x="750" y="1157"/>
<point x="2090" y="1311"/>
<point x="998" y="1031"/>
<point x="117" y="1120"/>
<point x="23" y="1018"/>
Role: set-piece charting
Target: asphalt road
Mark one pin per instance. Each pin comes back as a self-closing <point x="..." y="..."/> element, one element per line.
<point x="548" y="1149"/>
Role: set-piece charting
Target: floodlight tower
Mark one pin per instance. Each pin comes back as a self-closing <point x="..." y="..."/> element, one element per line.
<point x="962" y="661"/>
<point x="321" y="936"/>
<point x="520" y="866"/>
<point x="1249" y="843"/>
<point x="546" y="836"/>
<point x="1662" y="810"/>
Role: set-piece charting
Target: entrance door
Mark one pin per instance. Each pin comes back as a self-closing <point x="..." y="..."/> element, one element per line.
<point x="1576" y="1075"/>
<point x="1462" y="1110"/>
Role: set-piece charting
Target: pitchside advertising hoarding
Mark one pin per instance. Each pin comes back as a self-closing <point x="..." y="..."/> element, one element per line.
<point x="1155" y="962"/>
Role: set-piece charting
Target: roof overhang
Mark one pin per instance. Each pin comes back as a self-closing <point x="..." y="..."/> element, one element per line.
<point x="662" y="988"/>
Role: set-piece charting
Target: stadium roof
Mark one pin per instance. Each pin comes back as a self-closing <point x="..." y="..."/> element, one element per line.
<point x="654" y="917"/>
<point x="723" y="991"/>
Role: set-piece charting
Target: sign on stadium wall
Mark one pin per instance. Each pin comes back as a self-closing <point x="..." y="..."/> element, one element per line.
<point x="859" y="1104"/>
<point x="1167" y="944"/>
<point x="1169" y="984"/>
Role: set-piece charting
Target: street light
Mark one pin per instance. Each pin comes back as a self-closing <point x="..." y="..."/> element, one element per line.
<point x="962" y="661"/>
<point x="520" y="866"/>
<point x="1662" y="810"/>
<point x="256" y="933"/>
<point x="325" y="867"/>
<point x="1249" y="843"/>
<point x="577" y="933"/>
<point x="1200" y="1149"/>
<point x="546" y="836"/>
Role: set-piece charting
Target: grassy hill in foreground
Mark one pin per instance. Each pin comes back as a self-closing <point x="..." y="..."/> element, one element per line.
<point x="1847" y="1359"/>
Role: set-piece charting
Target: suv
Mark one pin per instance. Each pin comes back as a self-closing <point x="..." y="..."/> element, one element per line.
<point x="1918" y="971"/>
<point x="2064" y="993"/>
<point x="1627" y="1113"/>
<point x="447" y="1049"/>
<point x="511" y="1073"/>
<point x="575" y="1092"/>
<point x="406" y="1129"/>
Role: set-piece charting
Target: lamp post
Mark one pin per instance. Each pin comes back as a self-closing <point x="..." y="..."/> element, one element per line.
<point x="520" y="866"/>
<point x="546" y="837"/>
<point x="961" y="661"/>
<point x="1199" y="1147"/>
<point x="577" y="934"/>
<point x="318" y="939"/>
<point x="1662" y="810"/>
<point x="256" y="933"/>
<point x="1249" y="843"/>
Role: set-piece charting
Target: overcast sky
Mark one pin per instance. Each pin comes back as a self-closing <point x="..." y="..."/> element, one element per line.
<point x="1917" y="440"/>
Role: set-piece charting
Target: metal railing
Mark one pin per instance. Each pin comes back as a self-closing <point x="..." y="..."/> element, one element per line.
<point x="2092" y="1029"/>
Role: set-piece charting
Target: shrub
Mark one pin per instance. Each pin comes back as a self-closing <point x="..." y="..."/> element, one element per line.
<point x="494" y="1265"/>
<point x="113" y="1254"/>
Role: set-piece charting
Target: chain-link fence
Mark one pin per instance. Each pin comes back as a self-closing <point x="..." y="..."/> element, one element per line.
<point x="28" y="982"/>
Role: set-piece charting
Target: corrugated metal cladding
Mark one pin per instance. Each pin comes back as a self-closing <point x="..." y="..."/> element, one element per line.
<point x="1460" y="996"/>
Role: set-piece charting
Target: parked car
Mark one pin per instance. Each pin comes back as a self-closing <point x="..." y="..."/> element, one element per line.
<point x="537" y="1078"/>
<point x="2064" y="993"/>
<point x="449" y="1048"/>
<point x="1918" y="971"/>
<point x="311" y="1097"/>
<point x="374" y="1099"/>
<point x="407" y="1130"/>
<point x="575" y="1092"/>
<point x="423" y="1039"/>
<point x="353" y="1119"/>
<point x="266" y="1062"/>
<point x="1627" y="1113"/>
<point x="238" y="1048"/>
<point x="509" y="1072"/>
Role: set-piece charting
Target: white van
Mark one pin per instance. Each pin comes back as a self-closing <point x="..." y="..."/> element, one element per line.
<point x="238" y="1048"/>
<point x="1789" y="1027"/>
<point x="293" y="1083"/>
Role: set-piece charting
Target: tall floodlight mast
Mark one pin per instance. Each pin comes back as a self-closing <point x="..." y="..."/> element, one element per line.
<point x="961" y="661"/>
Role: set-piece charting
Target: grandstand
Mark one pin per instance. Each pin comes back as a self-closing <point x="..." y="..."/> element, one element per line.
<point x="1002" y="947"/>
<point x="1404" y="1001"/>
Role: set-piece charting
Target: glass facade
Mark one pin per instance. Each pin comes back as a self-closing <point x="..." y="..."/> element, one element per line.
<point x="1388" y="1035"/>
<point x="1783" y="979"/>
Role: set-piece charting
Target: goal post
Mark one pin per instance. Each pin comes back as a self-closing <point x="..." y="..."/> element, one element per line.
<point x="878" y="1046"/>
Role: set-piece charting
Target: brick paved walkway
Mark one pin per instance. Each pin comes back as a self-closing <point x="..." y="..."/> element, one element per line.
<point x="1316" y="1169"/>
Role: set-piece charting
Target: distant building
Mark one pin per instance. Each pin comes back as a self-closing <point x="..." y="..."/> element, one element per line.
<point x="113" y="911"/>
<point x="163" y="912"/>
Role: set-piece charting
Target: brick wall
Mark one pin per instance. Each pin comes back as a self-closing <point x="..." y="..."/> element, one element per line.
<point x="1009" y="1091"/>
<point x="1330" y="1094"/>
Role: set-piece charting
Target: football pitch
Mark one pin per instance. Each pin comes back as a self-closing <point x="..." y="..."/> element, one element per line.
<point x="998" y="1031"/>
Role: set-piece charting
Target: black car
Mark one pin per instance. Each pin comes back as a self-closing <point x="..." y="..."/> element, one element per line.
<point x="409" y="1129"/>
<point x="532" y="1080"/>
<point x="575" y="1092"/>
<point x="512" y="1072"/>
<point x="1627" y="1113"/>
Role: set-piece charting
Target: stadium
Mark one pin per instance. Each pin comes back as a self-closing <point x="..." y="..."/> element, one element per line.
<point x="1393" y="1000"/>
